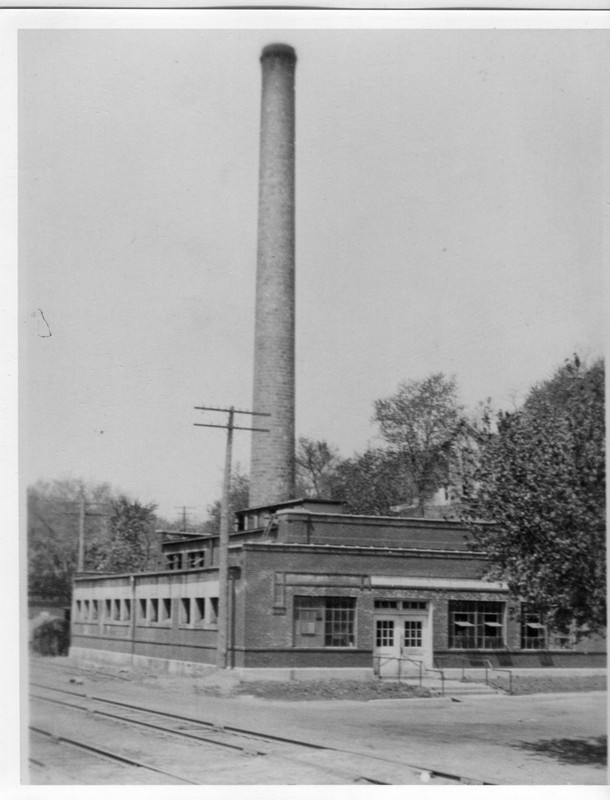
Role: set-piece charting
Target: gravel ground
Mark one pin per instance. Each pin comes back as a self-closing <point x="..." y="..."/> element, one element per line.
<point x="377" y="690"/>
<point x="329" y="690"/>
<point x="553" y="736"/>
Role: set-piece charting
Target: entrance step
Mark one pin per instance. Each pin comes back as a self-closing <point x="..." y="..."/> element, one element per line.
<point x="461" y="688"/>
<point x="453" y="688"/>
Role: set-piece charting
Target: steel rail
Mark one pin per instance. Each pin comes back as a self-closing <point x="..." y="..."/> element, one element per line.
<point x="109" y="754"/>
<point x="250" y="734"/>
<point x="141" y="723"/>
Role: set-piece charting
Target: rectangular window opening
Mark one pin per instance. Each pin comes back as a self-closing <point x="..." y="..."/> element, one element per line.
<point x="154" y="610"/>
<point x="534" y="634"/>
<point x="324" y="621"/>
<point x="166" y="609"/>
<point x="196" y="559"/>
<point x="126" y="610"/>
<point x="386" y="603"/>
<point x="476" y="625"/>
<point x="185" y="610"/>
<point x="143" y="615"/>
<point x="199" y="609"/>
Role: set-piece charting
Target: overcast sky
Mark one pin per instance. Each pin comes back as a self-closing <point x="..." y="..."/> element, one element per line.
<point x="449" y="218"/>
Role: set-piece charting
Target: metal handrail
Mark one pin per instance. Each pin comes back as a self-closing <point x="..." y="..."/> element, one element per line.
<point x="487" y="666"/>
<point x="442" y="674"/>
<point x="500" y="669"/>
<point x="384" y="659"/>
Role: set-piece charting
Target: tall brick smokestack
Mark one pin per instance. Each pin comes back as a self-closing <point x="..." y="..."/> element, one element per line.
<point x="272" y="462"/>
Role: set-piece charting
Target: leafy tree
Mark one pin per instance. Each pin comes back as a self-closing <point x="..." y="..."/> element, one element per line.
<point x="316" y="462"/>
<point x="238" y="499"/>
<point x="421" y="423"/>
<point x="541" y="479"/>
<point x="53" y="532"/>
<point x="132" y="544"/>
<point x="370" y="483"/>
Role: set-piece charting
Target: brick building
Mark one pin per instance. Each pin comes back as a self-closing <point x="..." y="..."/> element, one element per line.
<point x="314" y="591"/>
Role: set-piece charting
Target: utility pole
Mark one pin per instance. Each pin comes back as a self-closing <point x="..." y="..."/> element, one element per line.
<point x="82" y="513"/>
<point x="81" y="533"/>
<point x="184" y="515"/>
<point x="223" y="549"/>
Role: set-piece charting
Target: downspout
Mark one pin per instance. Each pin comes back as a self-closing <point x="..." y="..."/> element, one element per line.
<point x="231" y="622"/>
<point x="132" y="621"/>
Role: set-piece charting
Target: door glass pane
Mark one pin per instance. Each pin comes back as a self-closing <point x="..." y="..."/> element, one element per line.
<point x="413" y="633"/>
<point x="384" y="633"/>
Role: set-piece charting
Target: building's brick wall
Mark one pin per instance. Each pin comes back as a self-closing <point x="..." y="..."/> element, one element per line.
<point x="343" y="529"/>
<point x="266" y="577"/>
<point x="163" y="639"/>
<point x="272" y="628"/>
<point x="272" y="461"/>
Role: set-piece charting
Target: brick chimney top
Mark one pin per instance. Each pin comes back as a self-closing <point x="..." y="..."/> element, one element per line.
<point x="279" y="51"/>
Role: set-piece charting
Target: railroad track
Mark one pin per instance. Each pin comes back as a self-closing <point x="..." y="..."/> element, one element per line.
<point x="345" y="766"/>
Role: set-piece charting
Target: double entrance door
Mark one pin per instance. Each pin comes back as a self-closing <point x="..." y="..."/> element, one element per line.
<point x="402" y="643"/>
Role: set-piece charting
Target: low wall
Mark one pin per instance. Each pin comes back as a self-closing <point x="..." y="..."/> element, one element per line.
<point x="86" y="657"/>
<point x="560" y="659"/>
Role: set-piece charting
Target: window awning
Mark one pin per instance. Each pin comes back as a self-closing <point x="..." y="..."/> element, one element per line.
<point x="493" y="624"/>
<point x="536" y="625"/>
<point x="464" y="624"/>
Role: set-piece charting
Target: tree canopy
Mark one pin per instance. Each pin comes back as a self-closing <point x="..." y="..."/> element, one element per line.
<point x="316" y="461"/>
<point x="132" y="544"/>
<point x="541" y="479"/>
<point x="421" y="422"/>
<point x="118" y="534"/>
<point x="53" y="531"/>
<point x="372" y="482"/>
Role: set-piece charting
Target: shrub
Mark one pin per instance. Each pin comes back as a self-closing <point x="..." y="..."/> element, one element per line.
<point x="52" y="638"/>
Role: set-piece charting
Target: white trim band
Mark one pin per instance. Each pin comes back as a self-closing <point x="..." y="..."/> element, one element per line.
<point x="463" y="584"/>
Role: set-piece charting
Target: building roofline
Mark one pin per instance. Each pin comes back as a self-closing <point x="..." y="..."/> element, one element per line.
<point x="343" y="548"/>
<point x="290" y="504"/>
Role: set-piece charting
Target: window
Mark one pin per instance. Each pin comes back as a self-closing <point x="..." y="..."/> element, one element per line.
<point x="79" y="609"/>
<point x="127" y="610"/>
<point x="213" y="611"/>
<point x="185" y="611"/>
<point x="143" y="610"/>
<point x="416" y="605"/>
<point x="154" y="610"/>
<point x="533" y="631"/>
<point x="108" y="609"/>
<point x="166" y="609"/>
<point x="386" y="603"/>
<point x="116" y="613"/>
<point x="95" y="609"/>
<point x="199" y="610"/>
<point x="174" y="561"/>
<point x="384" y="633"/>
<point x="196" y="559"/>
<point x="324" y="621"/>
<point x="413" y="633"/>
<point x="476" y="625"/>
<point x="86" y="610"/>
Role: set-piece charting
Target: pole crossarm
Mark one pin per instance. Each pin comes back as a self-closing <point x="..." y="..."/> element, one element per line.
<point x="234" y="410"/>
<point x="234" y="427"/>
